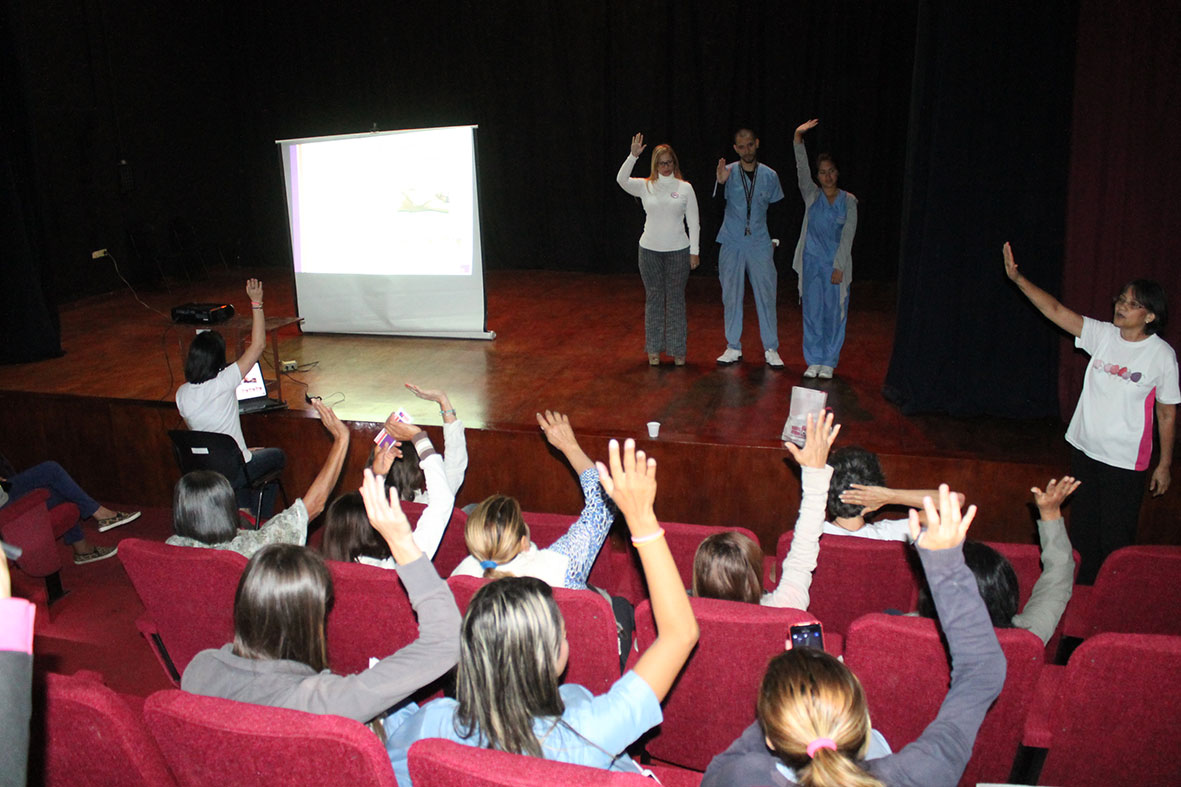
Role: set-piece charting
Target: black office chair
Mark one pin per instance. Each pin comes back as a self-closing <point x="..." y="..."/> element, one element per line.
<point x="219" y="453"/>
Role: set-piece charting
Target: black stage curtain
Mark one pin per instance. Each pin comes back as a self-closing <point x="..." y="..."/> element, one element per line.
<point x="29" y="329"/>
<point x="194" y="96"/>
<point x="986" y="162"/>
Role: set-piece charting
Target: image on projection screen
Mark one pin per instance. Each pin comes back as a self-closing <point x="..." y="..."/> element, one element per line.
<point x="389" y="204"/>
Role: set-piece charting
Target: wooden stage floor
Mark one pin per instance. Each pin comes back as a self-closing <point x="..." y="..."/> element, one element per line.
<point x="572" y="342"/>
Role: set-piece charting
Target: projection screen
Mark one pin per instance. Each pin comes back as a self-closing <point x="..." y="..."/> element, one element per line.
<point x="385" y="232"/>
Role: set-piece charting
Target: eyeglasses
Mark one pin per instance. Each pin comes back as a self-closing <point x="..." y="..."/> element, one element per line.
<point x="666" y="163"/>
<point x="1123" y="301"/>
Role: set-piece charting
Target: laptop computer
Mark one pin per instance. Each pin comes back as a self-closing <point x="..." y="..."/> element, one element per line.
<point x="252" y="393"/>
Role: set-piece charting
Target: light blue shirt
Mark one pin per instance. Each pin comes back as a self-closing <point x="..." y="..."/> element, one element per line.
<point x="766" y="191"/>
<point x="593" y="731"/>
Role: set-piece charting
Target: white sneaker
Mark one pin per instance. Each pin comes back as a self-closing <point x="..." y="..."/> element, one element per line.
<point x="825" y="372"/>
<point x="812" y="370"/>
<point x="773" y="359"/>
<point x="730" y="356"/>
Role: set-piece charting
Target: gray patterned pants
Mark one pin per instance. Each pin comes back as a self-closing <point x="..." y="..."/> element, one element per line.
<point x="665" y="273"/>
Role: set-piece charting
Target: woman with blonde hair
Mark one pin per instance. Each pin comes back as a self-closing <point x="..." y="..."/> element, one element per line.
<point x="666" y="253"/>
<point x="812" y="725"/>
<point x="513" y="650"/>
<point x="498" y="538"/>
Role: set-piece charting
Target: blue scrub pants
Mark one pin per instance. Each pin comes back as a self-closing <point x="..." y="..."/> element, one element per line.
<point x="736" y="263"/>
<point x="824" y="317"/>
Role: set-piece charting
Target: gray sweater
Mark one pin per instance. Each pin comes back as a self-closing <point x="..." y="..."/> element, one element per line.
<point x="941" y="753"/>
<point x="364" y="696"/>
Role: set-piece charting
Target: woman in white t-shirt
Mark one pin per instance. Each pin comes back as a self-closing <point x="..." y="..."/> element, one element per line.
<point x="667" y="254"/>
<point x="207" y="401"/>
<point x="1132" y="373"/>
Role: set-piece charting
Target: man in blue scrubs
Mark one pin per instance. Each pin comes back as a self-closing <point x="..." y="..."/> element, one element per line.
<point x="747" y="251"/>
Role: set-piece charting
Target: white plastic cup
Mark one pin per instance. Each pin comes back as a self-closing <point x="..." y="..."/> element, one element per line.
<point x="654" y="428"/>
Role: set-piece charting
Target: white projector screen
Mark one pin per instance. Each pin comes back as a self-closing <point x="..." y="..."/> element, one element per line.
<point x="385" y="232"/>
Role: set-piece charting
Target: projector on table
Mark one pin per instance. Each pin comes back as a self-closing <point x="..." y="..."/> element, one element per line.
<point x="202" y="313"/>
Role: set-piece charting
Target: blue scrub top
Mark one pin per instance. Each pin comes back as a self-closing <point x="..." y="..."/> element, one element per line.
<point x="767" y="190"/>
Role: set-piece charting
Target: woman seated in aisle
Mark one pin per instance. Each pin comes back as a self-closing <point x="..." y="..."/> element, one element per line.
<point x="279" y="655"/>
<point x="997" y="580"/>
<point x="729" y="566"/>
<point x="205" y="514"/>
<point x="812" y="720"/>
<point x="207" y="401"/>
<point x="64" y="489"/>
<point x="349" y="536"/>
<point x="513" y="650"/>
<point x="498" y="538"/>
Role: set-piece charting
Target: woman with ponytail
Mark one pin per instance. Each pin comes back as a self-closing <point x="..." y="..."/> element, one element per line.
<point x="812" y="724"/>
<point x="498" y="538"/>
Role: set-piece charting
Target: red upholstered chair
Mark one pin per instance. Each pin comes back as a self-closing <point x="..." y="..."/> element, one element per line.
<point x="1115" y="713"/>
<point x="1136" y="592"/>
<point x="30" y="525"/>
<point x="91" y="737"/>
<point x="371" y="616"/>
<point x="188" y="598"/>
<point x="440" y="763"/>
<point x="903" y="666"/>
<point x="208" y="740"/>
<point x="1026" y="560"/>
<point x="590" y="630"/>
<point x="713" y="700"/>
<point x="855" y="576"/>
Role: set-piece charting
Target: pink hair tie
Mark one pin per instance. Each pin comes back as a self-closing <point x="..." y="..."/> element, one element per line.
<point x="821" y="743"/>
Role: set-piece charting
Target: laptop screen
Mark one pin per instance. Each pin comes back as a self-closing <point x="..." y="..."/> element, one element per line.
<point x="252" y="385"/>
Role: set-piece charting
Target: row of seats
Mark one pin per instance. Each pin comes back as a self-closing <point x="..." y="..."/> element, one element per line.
<point x="188" y="594"/>
<point x="1097" y="731"/>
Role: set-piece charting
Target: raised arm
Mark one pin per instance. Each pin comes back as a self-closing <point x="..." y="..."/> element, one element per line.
<point x="1166" y="422"/>
<point x="582" y="542"/>
<point x="317" y="494"/>
<point x="977" y="662"/>
<point x="1046" y="303"/>
<point x="454" y="441"/>
<point x="871" y="498"/>
<point x="808" y="187"/>
<point x="796" y="575"/>
<point x="631" y="483"/>
<point x="633" y="186"/>
<point x="1052" y="590"/>
<point x="258" y="328"/>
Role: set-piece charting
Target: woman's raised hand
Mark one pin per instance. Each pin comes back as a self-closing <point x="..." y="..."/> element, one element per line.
<point x="1049" y="502"/>
<point x="820" y="435"/>
<point x="386" y="515"/>
<point x="805" y="127"/>
<point x="330" y="420"/>
<point x="638" y="145"/>
<point x="946" y="528"/>
<point x="400" y="430"/>
<point x="254" y="290"/>
<point x="631" y="482"/>
<point x="429" y="395"/>
<point x="384" y="456"/>
<point x="1010" y="264"/>
<point x="558" y="431"/>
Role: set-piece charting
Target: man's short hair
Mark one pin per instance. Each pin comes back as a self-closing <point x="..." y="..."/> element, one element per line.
<point x="851" y="465"/>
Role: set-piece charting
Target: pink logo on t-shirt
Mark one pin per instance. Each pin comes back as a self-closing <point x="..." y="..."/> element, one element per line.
<point x="1115" y="370"/>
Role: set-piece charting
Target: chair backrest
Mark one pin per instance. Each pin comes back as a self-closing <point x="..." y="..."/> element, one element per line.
<point x="371" y="616"/>
<point x="25" y="523"/>
<point x="855" y="576"/>
<point x="590" y="631"/>
<point x="903" y="665"/>
<point x="713" y="700"/>
<point x="1136" y="592"/>
<point x="91" y="737"/>
<point x="187" y="592"/>
<point x="435" y="762"/>
<point x="208" y="740"/>
<point x="214" y="451"/>
<point x="1026" y="560"/>
<point x="1118" y="713"/>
